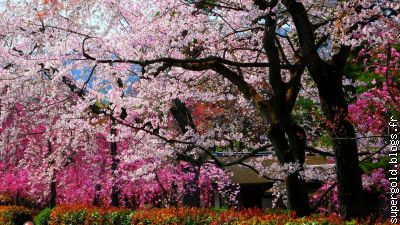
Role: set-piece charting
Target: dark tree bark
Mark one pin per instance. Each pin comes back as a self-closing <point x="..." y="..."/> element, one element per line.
<point x="53" y="193"/>
<point x="292" y="147"/>
<point x="328" y="77"/>
<point x="96" y="200"/>
<point x="334" y="106"/>
<point x="53" y="183"/>
<point x="296" y="188"/>
<point x="114" y="166"/>
<point x="276" y="113"/>
<point x="182" y="116"/>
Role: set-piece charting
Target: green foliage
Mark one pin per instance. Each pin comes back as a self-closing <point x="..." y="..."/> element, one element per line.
<point x="14" y="215"/>
<point x="86" y="215"/>
<point x="382" y="163"/>
<point x="305" y="103"/>
<point x="392" y="111"/>
<point x="203" y="3"/>
<point x="324" y="140"/>
<point x="73" y="218"/>
<point x="303" y="109"/>
<point x="118" y="218"/>
<point x="352" y="222"/>
<point x="308" y="113"/>
<point x="95" y="218"/>
<point x="356" y="72"/>
<point x="43" y="217"/>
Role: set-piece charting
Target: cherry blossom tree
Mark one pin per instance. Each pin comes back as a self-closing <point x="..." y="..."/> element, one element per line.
<point x="249" y="57"/>
<point x="63" y="156"/>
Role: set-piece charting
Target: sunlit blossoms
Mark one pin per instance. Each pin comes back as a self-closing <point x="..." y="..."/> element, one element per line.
<point x="129" y="103"/>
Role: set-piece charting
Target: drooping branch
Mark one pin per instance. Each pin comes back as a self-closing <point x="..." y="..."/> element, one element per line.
<point x="323" y="196"/>
<point x="196" y="64"/>
<point x="318" y="151"/>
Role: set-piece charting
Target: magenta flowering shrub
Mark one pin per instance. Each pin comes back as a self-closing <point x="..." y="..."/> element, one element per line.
<point x="211" y="176"/>
<point x="85" y="173"/>
<point x="372" y="108"/>
<point x="81" y="166"/>
<point x="13" y="186"/>
<point x="375" y="183"/>
<point x="325" y="199"/>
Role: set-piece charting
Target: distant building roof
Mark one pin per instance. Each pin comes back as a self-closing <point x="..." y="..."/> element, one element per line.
<point x="244" y="175"/>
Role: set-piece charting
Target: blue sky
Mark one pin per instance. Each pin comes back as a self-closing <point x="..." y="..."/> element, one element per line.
<point x="84" y="73"/>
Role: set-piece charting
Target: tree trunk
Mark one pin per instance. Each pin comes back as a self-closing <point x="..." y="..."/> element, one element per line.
<point x="292" y="147"/>
<point x="276" y="113"/>
<point x="53" y="192"/>
<point x="348" y="172"/>
<point x="297" y="195"/>
<point x="114" y="166"/>
<point x="328" y="77"/>
<point x="296" y="188"/>
<point x="53" y="182"/>
<point x="350" y="192"/>
<point x="96" y="200"/>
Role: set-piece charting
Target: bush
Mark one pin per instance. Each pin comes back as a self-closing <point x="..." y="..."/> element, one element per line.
<point x="108" y="217"/>
<point x="14" y="215"/>
<point x="68" y="214"/>
<point x="87" y="215"/>
<point x="194" y="216"/>
<point x="120" y="217"/>
<point x="43" y="217"/>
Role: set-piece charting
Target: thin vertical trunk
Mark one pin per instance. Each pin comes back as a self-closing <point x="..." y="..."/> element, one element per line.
<point x="53" y="193"/>
<point x="53" y="183"/>
<point x="114" y="167"/>
<point x="96" y="200"/>
<point x="296" y="186"/>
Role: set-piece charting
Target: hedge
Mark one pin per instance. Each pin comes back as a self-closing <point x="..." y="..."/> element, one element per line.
<point x="195" y="216"/>
<point x="87" y="215"/>
<point x="14" y="215"/>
